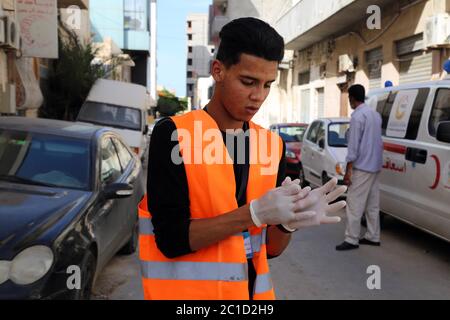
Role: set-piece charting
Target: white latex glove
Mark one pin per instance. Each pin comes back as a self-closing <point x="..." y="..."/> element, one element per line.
<point x="318" y="201"/>
<point x="278" y="206"/>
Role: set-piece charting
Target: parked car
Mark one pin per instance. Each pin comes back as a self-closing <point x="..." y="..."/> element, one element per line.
<point x="324" y="151"/>
<point x="292" y="135"/>
<point x="415" y="180"/>
<point x="68" y="197"/>
<point x="121" y="106"/>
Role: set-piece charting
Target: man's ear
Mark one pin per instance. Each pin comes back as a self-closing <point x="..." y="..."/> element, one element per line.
<point x="218" y="71"/>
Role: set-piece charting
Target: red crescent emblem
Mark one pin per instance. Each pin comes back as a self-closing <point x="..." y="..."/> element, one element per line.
<point x="438" y="172"/>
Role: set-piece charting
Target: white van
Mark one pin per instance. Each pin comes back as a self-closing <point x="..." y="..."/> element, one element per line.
<point x="324" y="151"/>
<point x="121" y="106"/>
<point x="415" y="180"/>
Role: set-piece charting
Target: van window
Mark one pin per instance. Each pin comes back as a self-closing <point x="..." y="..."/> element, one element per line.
<point x="110" y="115"/>
<point x="312" y="133"/>
<point x="440" y="111"/>
<point x="412" y="129"/>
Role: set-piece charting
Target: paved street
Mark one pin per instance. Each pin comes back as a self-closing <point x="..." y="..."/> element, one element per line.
<point x="413" y="265"/>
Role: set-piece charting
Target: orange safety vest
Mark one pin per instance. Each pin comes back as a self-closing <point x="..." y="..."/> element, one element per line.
<point x="220" y="271"/>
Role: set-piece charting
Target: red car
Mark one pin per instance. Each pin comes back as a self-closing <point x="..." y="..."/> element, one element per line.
<point x="292" y="135"/>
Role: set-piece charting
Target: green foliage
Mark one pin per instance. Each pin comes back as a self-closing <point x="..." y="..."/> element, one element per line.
<point x="70" y="79"/>
<point x="169" y="105"/>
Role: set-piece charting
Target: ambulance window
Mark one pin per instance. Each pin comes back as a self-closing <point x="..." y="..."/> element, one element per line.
<point x="385" y="110"/>
<point x="415" y="117"/>
<point x="416" y="114"/>
<point x="380" y="102"/>
<point x="440" y="111"/>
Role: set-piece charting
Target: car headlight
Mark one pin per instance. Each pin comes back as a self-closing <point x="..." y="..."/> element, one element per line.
<point x="31" y="265"/>
<point x="5" y="266"/>
<point x="290" y="154"/>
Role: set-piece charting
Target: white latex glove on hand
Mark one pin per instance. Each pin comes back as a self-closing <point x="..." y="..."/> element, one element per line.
<point x="278" y="206"/>
<point x="318" y="201"/>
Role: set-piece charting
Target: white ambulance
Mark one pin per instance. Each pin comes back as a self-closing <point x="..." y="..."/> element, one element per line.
<point x="415" y="180"/>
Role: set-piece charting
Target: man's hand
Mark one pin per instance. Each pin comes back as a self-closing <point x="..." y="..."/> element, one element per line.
<point x="348" y="179"/>
<point x="348" y="174"/>
<point x="318" y="201"/>
<point x="279" y="206"/>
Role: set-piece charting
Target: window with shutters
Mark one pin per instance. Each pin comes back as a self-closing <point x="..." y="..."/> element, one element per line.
<point x="374" y="62"/>
<point x="415" y="65"/>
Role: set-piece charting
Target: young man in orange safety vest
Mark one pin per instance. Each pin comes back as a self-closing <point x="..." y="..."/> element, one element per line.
<point x="218" y="204"/>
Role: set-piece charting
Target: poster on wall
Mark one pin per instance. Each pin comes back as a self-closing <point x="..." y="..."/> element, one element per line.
<point x="38" y="21"/>
<point x="400" y="113"/>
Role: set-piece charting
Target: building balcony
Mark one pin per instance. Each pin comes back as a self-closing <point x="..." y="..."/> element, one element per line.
<point x="311" y="21"/>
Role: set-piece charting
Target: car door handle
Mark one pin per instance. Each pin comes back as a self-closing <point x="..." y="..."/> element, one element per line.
<point x="416" y="155"/>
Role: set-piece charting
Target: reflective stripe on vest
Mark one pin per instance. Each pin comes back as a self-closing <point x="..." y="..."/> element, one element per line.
<point x="263" y="283"/>
<point x="195" y="271"/>
<point x="258" y="240"/>
<point x="146" y="227"/>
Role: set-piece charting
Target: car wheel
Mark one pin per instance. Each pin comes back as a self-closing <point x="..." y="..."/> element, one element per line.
<point x="88" y="266"/>
<point x="301" y="176"/>
<point x="131" y="246"/>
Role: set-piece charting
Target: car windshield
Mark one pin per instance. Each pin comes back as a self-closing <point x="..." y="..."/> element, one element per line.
<point x="110" y="115"/>
<point x="45" y="160"/>
<point x="292" y="134"/>
<point x="337" y="135"/>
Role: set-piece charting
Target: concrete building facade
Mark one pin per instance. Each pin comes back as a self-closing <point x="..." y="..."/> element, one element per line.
<point x="199" y="56"/>
<point x="340" y="43"/>
<point x="332" y="44"/>
<point x="278" y="105"/>
<point x="23" y="73"/>
<point x="131" y="26"/>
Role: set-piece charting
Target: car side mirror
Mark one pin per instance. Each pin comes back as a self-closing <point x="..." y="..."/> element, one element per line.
<point x="322" y="144"/>
<point x="118" y="191"/>
<point x="146" y="129"/>
<point x="443" y="131"/>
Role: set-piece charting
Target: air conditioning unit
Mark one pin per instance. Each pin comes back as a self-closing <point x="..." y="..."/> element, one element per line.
<point x="346" y="63"/>
<point x="12" y="33"/>
<point x="437" y="30"/>
<point x="8" y="99"/>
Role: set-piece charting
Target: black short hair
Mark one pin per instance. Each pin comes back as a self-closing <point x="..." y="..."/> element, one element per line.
<point x="250" y="36"/>
<point x="357" y="92"/>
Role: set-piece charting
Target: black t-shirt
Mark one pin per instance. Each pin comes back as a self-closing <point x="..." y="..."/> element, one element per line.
<point x="168" y="193"/>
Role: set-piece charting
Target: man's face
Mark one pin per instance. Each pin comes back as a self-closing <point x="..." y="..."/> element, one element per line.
<point x="245" y="86"/>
